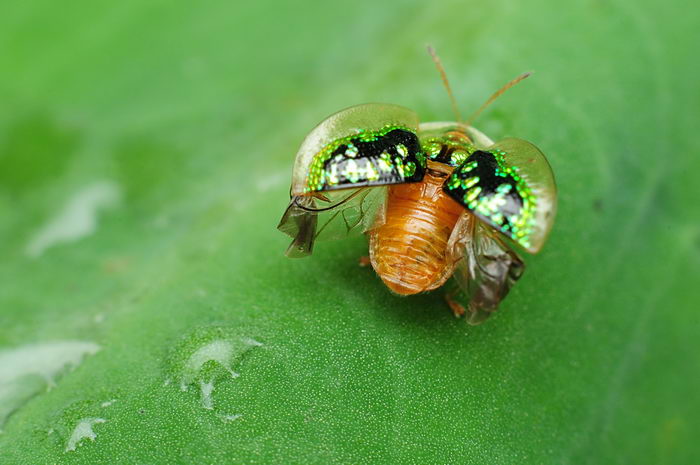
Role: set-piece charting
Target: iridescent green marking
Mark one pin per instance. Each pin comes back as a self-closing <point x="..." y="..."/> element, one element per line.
<point x="352" y="171"/>
<point x="458" y="157"/>
<point x="469" y="166"/>
<point x="402" y="150"/>
<point x="504" y="188"/>
<point x="422" y="160"/>
<point x="453" y="182"/>
<point x="331" y="176"/>
<point x="409" y="169"/>
<point x="522" y="224"/>
<point x="495" y="200"/>
<point x="472" y="194"/>
<point x="446" y="150"/>
<point x="385" y="162"/>
<point x="371" y="172"/>
<point x="369" y="136"/>
<point x="470" y="182"/>
<point x="398" y="163"/>
<point x="351" y="151"/>
<point x="357" y="166"/>
<point x="432" y="147"/>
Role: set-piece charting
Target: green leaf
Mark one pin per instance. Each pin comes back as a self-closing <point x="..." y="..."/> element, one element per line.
<point x="148" y="314"/>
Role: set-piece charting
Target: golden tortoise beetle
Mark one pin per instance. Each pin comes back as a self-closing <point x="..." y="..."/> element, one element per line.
<point x="437" y="200"/>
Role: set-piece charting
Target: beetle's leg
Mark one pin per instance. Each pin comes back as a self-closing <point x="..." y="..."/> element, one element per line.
<point x="457" y="309"/>
<point x="364" y="261"/>
<point x="474" y="315"/>
<point x="320" y="196"/>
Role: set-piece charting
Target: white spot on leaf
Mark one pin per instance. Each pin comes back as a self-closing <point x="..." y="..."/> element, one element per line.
<point x="211" y="362"/>
<point x="107" y="403"/>
<point x="28" y="370"/>
<point x="219" y="351"/>
<point x="77" y="219"/>
<point x="83" y="430"/>
<point x="207" y="389"/>
<point x="252" y="342"/>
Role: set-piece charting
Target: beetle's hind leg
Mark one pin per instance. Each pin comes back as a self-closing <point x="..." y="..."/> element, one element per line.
<point x="456" y="299"/>
<point x="457" y="308"/>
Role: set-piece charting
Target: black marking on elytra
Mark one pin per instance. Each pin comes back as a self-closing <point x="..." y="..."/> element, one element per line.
<point x="490" y="178"/>
<point x="370" y="151"/>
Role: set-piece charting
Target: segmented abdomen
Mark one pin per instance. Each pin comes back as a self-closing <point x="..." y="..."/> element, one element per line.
<point x="409" y="251"/>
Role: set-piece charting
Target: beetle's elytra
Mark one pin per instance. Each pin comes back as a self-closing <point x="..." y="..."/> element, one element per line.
<point x="437" y="201"/>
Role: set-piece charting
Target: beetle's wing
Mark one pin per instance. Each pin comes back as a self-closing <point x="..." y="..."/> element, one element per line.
<point x="510" y="187"/>
<point x="486" y="268"/>
<point x="366" y="145"/>
<point x="361" y="147"/>
<point x="332" y="215"/>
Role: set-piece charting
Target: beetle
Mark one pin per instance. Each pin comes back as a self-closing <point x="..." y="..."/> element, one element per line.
<point x="437" y="200"/>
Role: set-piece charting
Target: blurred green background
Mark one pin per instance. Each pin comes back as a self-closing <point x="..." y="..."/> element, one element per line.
<point x="145" y="155"/>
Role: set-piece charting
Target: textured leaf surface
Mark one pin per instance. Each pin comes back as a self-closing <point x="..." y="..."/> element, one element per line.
<point x="145" y="155"/>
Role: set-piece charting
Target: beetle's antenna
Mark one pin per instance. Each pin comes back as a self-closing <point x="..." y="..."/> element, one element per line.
<point x="445" y="82"/>
<point x="497" y="94"/>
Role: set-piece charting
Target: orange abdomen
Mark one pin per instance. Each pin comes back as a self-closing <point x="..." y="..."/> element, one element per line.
<point x="409" y="251"/>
